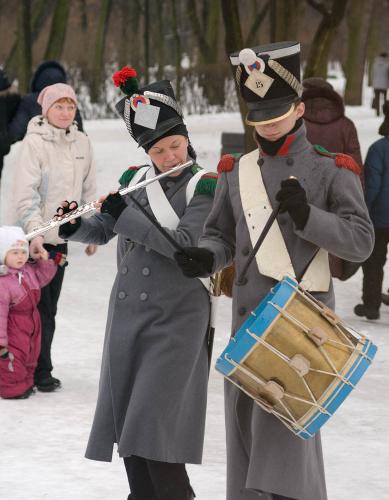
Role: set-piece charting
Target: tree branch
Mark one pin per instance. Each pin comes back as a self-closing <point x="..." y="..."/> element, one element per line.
<point x="319" y="6"/>
<point x="257" y="23"/>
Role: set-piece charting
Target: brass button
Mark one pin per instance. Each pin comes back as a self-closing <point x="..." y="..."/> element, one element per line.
<point x="122" y="295"/>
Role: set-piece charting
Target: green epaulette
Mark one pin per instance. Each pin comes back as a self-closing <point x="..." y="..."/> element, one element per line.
<point x="341" y="160"/>
<point x="127" y="176"/>
<point x="207" y="184"/>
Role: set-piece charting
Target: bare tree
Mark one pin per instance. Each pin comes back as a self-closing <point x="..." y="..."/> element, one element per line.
<point x="24" y="45"/>
<point x="359" y="18"/>
<point x="58" y="30"/>
<point x="39" y="14"/>
<point x="177" y="47"/>
<point x="322" y="41"/>
<point x="285" y="18"/>
<point x="97" y="73"/>
<point x="233" y="41"/>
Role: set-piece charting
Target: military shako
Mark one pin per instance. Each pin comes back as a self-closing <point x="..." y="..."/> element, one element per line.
<point x="269" y="80"/>
<point x="150" y="112"/>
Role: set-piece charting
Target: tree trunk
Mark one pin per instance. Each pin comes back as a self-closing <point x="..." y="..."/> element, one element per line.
<point x="58" y="30"/>
<point x="322" y="41"/>
<point x="146" y="40"/>
<point x="124" y="25"/>
<point x="39" y="14"/>
<point x="358" y="20"/>
<point x="160" y="45"/>
<point x="233" y="41"/>
<point x="24" y="46"/>
<point x="177" y="48"/>
<point x="98" y="57"/>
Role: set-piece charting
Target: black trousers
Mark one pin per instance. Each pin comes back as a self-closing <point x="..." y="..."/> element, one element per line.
<point x="373" y="270"/>
<point x="48" y="309"/>
<point x="379" y="100"/>
<point x="152" y="480"/>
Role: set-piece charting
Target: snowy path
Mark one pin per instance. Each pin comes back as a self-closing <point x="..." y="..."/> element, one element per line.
<point x="43" y="439"/>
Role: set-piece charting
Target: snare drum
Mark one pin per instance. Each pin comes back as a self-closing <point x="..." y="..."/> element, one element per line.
<point x="296" y="358"/>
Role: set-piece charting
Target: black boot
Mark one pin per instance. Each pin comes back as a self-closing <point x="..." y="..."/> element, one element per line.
<point x="385" y="298"/>
<point x="48" y="384"/>
<point x="368" y="312"/>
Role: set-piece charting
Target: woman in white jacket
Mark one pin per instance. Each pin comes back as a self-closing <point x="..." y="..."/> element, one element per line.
<point x="55" y="163"/>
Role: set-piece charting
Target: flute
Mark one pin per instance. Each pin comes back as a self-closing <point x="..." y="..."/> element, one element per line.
<point x="90" y="207"/>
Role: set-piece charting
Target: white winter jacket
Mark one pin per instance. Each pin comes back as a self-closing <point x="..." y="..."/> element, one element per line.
<point x="54" y="165"/>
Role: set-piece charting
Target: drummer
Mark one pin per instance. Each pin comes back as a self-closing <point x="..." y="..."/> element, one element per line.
<point x="153" y="382"/>
<point x="321" y="210"/>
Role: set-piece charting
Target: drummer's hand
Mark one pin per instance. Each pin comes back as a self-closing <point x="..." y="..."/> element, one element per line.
<point x="293" y="199"/>
<point x="70" y="227"/>
<point x="90" y="249"/>
<point x="113" y="204"/>
<point x="195" y="262"/>
<point x="37" y="251"/>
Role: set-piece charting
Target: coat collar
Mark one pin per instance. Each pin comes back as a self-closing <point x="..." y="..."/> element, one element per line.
<point x="40" y="126"/>
<point x="294" y="143"/>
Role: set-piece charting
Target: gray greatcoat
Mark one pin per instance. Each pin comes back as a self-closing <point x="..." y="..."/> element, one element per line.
<point x="153" y="382"/>
<point x="262" y="454"/>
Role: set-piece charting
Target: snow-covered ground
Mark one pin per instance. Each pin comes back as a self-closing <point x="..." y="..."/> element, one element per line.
<point x="43" y="438"/>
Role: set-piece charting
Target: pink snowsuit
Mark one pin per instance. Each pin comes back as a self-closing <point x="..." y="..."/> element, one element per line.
<point x="20" y="325"/>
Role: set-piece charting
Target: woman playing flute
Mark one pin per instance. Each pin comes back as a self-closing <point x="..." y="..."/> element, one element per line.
<point x="153" y="383"/>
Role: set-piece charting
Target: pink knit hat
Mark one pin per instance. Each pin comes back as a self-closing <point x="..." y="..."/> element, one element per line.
<point x="52" y="93"/>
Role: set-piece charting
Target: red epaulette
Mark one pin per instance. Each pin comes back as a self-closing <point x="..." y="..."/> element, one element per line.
<point x="341" y="160"/>
<point x="346" y="161"/>
<point x="226" y="163"/>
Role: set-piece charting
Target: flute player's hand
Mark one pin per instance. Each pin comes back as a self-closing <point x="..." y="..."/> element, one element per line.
<point x="113" y="204"/>
<point x="70" y="227"/>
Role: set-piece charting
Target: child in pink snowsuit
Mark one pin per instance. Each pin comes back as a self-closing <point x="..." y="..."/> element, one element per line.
<point x="20" y="326"/>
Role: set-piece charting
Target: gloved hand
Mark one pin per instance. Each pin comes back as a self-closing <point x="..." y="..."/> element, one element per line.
<point x="70" y="227"/>
<point x="195" y="262"/>
<point x="58" y="257"/>
<point x="293" y="199"/>
<point x="113" y="205"/>
<point x="6" y="354"/>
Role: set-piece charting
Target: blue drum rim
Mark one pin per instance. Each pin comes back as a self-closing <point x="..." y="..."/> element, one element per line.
<point x="342" y="390"/>
<point x="280" y="295"/>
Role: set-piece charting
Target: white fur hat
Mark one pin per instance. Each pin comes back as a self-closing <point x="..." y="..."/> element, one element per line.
<point x="11" y="238"/>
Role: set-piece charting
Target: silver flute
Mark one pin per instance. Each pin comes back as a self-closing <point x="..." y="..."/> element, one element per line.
<point x="59" y="220"/>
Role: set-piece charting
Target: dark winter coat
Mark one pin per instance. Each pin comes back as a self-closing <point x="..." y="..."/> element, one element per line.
<point x="48" y="73"/>
<point x="153" y="382"/>
<point x="9" y="102"/>
<point x="326" y="123"/>
<point x="20" y="324"/>
<point x="377" y="182"/>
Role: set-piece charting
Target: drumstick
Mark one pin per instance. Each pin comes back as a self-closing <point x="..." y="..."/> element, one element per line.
<point x="242" y="278"/>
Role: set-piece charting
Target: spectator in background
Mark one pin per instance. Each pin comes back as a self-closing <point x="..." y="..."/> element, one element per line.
<point x="9" y="102"/>
<point x="380" y="80"/>
<point x="325" y="120"/>
<point x="47" y="73"/>
<point x="55" y="163"/>
<point x="328" y="126"/>
<point x="377" y="201"/>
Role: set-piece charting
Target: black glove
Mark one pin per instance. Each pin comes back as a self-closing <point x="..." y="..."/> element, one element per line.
<point x="58" y="257"/>
<point x="293" y="199"/>
<point x="68" y="229"/>
<point x="195" y="262"/>
<point x="113" y="205"/>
